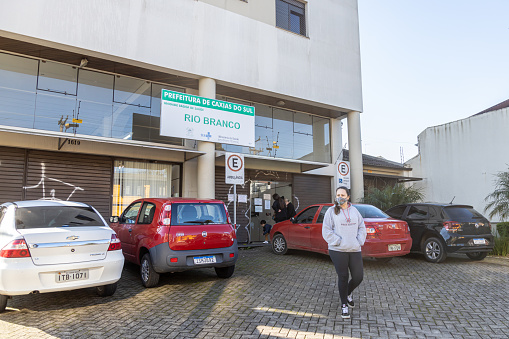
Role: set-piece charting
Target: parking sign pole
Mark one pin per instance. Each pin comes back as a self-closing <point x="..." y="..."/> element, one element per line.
<point x="235" y="204"/>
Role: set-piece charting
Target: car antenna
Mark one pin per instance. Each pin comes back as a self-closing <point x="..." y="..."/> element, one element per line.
<point x="452" y="200"/>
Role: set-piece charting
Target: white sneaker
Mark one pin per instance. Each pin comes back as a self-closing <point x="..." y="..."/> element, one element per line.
<point x="265" y="242"/>
<point x="349" y="299"/>
<point x="344" y="312"/>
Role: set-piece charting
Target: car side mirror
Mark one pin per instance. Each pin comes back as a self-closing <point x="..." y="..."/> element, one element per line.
<point x="292" y="219"/>
<point x="114" y="219"/>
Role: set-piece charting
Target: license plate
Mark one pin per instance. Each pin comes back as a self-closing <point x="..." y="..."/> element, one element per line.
<point x="205" y="260"/>
<point x="66" y="276"/>
<point x="395" y="247"/>
<point x="480" y="241"/>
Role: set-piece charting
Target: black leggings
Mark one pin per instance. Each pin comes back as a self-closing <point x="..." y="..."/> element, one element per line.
<point x="342" y="262"/>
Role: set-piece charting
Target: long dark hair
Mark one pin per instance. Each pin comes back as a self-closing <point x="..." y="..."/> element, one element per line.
<point x="337" y="208"/>
<point x="279" y="200"/>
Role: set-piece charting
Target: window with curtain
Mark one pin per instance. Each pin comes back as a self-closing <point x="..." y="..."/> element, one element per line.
<point x="135" y="179"/>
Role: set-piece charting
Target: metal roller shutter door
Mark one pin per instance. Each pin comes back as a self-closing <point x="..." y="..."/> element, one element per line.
<point x="12" y="168"/>
<point x="311" y="189"/>
<point x="70" y="176"/>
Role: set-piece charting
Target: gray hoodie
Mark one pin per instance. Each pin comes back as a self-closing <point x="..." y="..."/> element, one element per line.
<point x="342" y="234"/>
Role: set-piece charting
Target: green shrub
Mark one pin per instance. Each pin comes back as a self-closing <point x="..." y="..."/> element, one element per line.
<point x="503" y="229"/>
<point x="391" y="196"/>
<point x="501" y="247"/>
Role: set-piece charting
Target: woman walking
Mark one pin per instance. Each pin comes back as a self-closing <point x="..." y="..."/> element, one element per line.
<point x="344" y="231"/>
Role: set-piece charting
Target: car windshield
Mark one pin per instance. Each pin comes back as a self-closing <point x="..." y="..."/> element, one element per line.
<point x="369" y="211"/>
<point x="463" y="214"/>
<point x="56" y="216"/>
<point x="198" y="214"/>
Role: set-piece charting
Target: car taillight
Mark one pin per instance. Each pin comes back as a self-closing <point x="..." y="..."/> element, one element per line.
<point x="165" y="218"/>
<point x="452" y="226"/>
<point x="373" y="231"/>
<point x="15" y="249"/>
<point x="114" y="243"/>
<point x="406" y="228"/>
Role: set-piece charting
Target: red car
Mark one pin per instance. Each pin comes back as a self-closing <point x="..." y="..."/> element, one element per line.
<point x="386" y="237"/>
<point x="176" y="234"/>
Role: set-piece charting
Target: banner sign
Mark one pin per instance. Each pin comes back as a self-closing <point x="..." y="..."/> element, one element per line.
<point x="192" y="117"/>
<point x="343" y="174"/>
<point x="234" y="164"/>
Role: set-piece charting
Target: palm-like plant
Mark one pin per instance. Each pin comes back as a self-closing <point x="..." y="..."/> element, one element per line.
<point x="498" y="200"/>
<point x="391" y="196"/>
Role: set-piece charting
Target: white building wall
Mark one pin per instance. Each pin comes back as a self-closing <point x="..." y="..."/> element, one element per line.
<point x="201" y="40"/>
<point x="460" y="159"/>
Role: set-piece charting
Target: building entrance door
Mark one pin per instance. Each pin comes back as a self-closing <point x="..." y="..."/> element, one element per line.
<point x="261" y="204"/>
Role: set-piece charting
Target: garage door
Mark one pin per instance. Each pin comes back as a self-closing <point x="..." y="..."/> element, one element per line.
<point x="70" y="176"/>
<point x="12" y="167"/>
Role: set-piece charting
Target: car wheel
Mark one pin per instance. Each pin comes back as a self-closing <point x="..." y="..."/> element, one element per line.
<point x="279" y="245"/>
<point x="225" y="272"/>
<point x="149" y="277"/>
<point x="434" y="250"/>
<point x="106" y="290"/>
<point x="3" y="302"/>
<point x="384" y="260"/>
<point x="477" y="255"/>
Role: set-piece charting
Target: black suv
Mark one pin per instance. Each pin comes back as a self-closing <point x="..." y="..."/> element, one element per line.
<point x="438" y="229"/>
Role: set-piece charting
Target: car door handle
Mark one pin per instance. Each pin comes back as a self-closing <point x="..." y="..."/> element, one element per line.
<point x="307" y="227"/>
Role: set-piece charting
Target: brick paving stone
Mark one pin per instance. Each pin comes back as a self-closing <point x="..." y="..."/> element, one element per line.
<point x="270" y="296"/>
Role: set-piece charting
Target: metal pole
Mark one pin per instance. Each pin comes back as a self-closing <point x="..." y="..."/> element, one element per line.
<point x="235" y="204"/>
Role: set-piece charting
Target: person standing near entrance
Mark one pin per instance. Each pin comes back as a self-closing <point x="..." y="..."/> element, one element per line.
<point x="344" y="231"/>
<point x="290" y="209"/>
<point x="279" y="208"/>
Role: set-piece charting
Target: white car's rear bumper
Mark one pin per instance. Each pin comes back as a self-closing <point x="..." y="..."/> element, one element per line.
<point x="20" y="276"/>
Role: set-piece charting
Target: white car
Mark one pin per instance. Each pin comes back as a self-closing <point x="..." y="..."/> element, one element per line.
<point x="50" y="246"/>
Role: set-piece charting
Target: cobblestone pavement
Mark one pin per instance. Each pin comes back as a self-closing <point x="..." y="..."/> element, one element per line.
<point x="291" y="296"/>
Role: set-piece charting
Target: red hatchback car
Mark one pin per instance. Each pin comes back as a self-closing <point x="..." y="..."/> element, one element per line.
<point x="386" y="237"/>
<point x="177" y="234"/>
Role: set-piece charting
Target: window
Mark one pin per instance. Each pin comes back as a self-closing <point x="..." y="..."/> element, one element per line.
<point x="131" y="213"/>
<point x="56" y="216"/>
<point x="290" y="15"/>
<point x="307" y="216"/>
<point x="397" y="212"/>
<point x="418" y="212"/>
<point x="322" y="214"/>
<point x="147" y="213"/>
<point x="198" y="214"/>
<point x="137" y="179"/>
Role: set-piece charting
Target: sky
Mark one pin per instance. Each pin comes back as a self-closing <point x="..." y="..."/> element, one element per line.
<point x="427" y="63"/>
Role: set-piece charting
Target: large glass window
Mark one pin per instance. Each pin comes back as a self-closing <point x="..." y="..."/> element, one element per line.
<point x="282" y="133"/>
<point x="57" y="77"/>
<point x="290" y="15"/>
<point x="18" y="82"/>
<point x="134" y="180"/>
<point x="95" y="98"/>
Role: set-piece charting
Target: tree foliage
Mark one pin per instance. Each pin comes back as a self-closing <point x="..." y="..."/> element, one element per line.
<point x="498" y="200"/>
<point x="391" y="196"/>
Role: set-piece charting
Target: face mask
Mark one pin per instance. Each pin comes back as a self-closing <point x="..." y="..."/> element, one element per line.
<point x="341" y="201"/>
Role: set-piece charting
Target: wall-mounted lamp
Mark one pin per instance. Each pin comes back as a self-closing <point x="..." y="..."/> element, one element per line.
<point x="83" y="63"/>
<point x="280" y="103"/>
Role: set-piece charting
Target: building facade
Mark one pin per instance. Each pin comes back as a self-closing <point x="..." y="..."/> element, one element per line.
<point x="80" y="99"/>
<point x="458" y="161"/>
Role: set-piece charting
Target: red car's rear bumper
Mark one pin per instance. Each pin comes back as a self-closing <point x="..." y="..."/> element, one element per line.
<point x="380" y="248"/>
